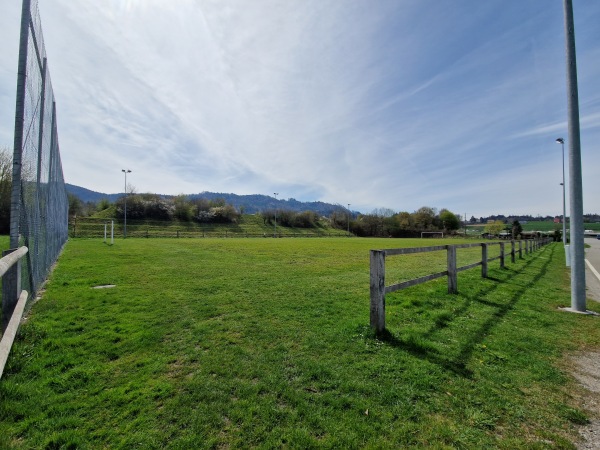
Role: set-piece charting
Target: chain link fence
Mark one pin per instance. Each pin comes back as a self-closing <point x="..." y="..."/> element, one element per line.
<point x="39" y="204"/>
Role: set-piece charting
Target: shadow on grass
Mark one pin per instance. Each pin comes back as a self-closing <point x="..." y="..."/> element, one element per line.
<point x="421" y="346"/>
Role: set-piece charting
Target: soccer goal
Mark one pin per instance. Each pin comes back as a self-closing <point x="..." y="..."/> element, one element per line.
<point x="432" y="234"/>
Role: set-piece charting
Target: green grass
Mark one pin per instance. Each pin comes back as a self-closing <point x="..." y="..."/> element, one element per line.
<point x="220" y="343"/>
<point x="537" y="225"/>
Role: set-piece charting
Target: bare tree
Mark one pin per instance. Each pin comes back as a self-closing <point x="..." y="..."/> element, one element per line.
<point x="5" y="189"/>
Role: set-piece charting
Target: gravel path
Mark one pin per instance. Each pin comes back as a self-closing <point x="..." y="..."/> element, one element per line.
<point x="586" y="369"/>
<point x="586" y="366"/>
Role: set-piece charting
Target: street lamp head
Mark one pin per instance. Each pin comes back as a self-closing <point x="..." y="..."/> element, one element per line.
<point x="560" y="140"/>
<point x="126" y="171"/>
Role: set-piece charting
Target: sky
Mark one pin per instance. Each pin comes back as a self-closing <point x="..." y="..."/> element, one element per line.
<point x="392" y="104"/>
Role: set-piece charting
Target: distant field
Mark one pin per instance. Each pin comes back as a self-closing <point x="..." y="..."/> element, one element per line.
<point x="539" y="226"/>
<point x="227" y="343"/>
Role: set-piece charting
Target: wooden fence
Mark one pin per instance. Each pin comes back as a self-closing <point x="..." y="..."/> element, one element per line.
<point x="379" y="289"/>
<point x="13" y="300"/>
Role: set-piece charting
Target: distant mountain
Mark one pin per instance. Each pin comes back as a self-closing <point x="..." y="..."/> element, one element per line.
<point x="250" y="204"/>
<point x="85" y="195"/>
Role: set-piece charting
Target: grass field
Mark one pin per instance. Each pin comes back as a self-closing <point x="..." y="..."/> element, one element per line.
<point x="264" y="343"/>
<point x="538" y="225"/>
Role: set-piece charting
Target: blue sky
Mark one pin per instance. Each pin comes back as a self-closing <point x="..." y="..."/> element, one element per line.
<point x="395" y="104"/>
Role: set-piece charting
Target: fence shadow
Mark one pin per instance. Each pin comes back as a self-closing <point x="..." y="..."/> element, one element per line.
<point x="420" y="345"/>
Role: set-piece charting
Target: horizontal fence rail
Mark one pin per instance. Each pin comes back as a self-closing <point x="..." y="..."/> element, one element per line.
<point x="13" y="300"/>
<point x="378" y="289"/>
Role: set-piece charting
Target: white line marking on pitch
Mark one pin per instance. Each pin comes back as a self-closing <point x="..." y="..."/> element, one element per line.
<point x="594" y="271"/>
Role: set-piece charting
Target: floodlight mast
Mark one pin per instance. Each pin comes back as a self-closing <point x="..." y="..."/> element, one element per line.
<point x="575" y="178"/>
<point x="561" y="141"/>
<point x="275" y="194"/>
<point x="125" y="171"/>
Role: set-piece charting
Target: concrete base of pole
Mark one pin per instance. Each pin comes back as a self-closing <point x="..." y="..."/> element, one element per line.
<point x="568" y="254"/>
<point x="587" y="312"/>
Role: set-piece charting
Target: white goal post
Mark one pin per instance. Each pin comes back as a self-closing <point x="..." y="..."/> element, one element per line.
<point x="431" y="234"/>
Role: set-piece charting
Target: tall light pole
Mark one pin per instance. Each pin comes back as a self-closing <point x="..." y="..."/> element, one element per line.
<point x="275" y="194"/>
<point x="561" y="141"/>
<point x="125" y="171"/>
<point x="575" y="177"/>
<point x="348" y="219"/>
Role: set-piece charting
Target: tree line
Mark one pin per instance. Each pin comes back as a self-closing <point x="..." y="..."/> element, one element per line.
<point x="186" y="209"/>
<point x="385" y="222"/>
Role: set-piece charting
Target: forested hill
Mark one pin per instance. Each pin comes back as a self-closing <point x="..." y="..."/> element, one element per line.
<point x="249" y="204"/>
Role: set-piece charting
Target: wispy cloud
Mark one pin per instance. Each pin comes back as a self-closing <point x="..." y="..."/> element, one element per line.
<point x="395" y="103"/>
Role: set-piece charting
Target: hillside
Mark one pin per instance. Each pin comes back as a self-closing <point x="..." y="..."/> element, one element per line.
<point x="250" y="204"/>
<point x="249" y="225"/>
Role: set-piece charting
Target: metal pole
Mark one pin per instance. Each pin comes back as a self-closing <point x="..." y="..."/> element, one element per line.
<point x="275" y="233"/>
<point x="561" y="141"/>
<point x="40" y="147"/>
<point x="575" y="178"/>
<point x="564" y="198"/>
<point x="348" y="219"/>
<point x="125" y="171"/>
<point x="15" y="199"/>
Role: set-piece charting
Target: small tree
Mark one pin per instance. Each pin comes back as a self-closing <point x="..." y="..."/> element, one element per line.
<point x="5" y="189"/>
<point x="424" y="218"/>
<point x="183" y="208"/>
<point x="449" y="220"/>
<point x="494" y="228"/>
<point x="557" y="233"/>
<point x="103" y="204"/>
<point x="75" y="205"/>
<point x="517" y="229"/>
<point x="405" y="220"/>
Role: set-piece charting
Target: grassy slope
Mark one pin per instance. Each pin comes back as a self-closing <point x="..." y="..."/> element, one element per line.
<point x="208" y="343"/>
<point x="248" y="225"/>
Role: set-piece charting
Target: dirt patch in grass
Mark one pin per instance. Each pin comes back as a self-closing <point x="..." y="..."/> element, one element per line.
<point x="586" y="370"/>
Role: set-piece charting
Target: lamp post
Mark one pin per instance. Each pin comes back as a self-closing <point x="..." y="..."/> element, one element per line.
<point x="348" y="219"/>
<point x="125" y="171"/>
<point x="561" y="141"/>
<point x="276" y="194"/>
<point x="576" y="244"/>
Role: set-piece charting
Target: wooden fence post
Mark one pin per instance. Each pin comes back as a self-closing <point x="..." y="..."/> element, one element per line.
<point x="502" y="255"/>
<point x="520" y="249"/>
<point x="378" y="290"/>
<point x="512" y="252"/>
<point x="452" y="278"/>
<point x="484" y="260"/>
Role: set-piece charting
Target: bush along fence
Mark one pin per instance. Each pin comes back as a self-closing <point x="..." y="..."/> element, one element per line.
<point x="377" y="268"/>
<point x="13" y="300"/>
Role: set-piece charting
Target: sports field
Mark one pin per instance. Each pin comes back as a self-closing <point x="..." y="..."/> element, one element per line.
<point x="227" y="343"/>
